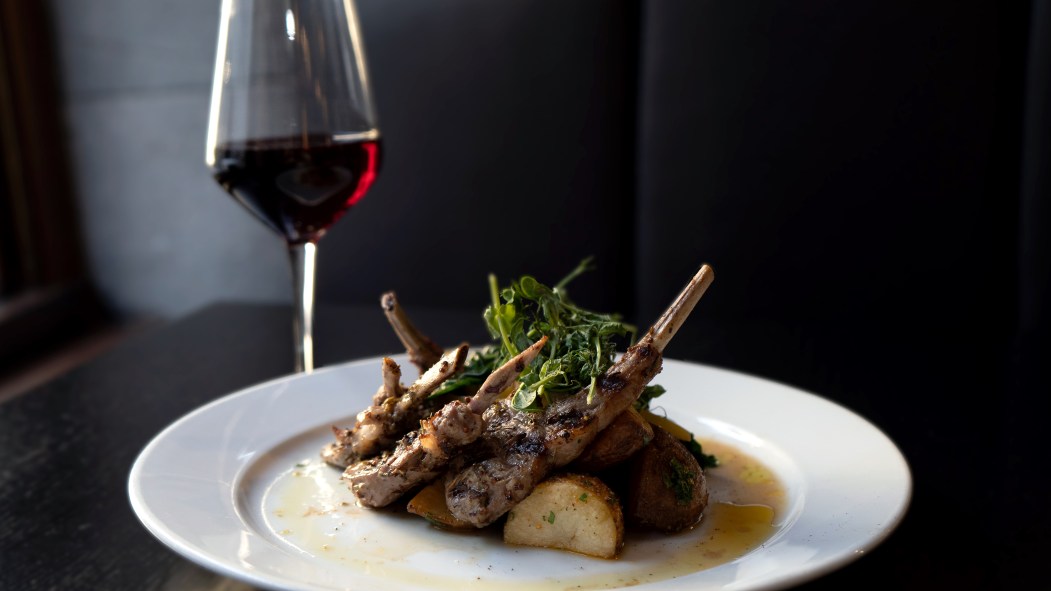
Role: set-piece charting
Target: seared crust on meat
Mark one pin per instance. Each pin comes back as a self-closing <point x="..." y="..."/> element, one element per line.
<point x="422" y="455"/>
<point x="379" y="426"/>
<point x="483" y="491"/>
<point x="528" y="445"/>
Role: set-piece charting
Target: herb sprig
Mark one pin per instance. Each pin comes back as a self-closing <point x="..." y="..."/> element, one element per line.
<point x="581" y="343"/>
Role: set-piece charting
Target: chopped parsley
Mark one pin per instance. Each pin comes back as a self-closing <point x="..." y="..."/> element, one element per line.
<point x="680" y="480"/>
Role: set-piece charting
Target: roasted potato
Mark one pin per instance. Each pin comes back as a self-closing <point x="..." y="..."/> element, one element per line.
<point x="667" y="489"/>
<point x="429" y="503"/>
<point x="627" y="434"/>
<point x="575" y="512"/>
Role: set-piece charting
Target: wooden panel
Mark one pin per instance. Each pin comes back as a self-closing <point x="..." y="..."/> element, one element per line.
<point x="38" y="231"/>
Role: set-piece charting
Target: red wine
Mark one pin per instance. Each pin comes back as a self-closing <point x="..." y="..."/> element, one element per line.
<point x="298" y="186"/>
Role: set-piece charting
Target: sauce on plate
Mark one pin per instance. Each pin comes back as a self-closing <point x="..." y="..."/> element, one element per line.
<point x="310" y="509"/>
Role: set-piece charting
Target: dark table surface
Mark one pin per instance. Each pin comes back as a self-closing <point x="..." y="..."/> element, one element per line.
<point x="66" y="448"/>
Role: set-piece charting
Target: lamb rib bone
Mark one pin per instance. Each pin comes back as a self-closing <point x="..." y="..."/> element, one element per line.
<point x="423" y="352"/>
<point x="391" y="386"/>
<point x="340" y="454"/>
<point x="424" y="454"/>
<point x="527" y="448"/>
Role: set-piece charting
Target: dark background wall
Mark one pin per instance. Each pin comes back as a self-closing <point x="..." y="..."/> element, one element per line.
<point x="855" y="173"/>
<point x="867" y="178"/>
<point x="508" y="130"/>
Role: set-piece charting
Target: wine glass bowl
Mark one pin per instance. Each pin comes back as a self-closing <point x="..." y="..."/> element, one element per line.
<point x="292" y="131"/>
<point x="298" y="186"/>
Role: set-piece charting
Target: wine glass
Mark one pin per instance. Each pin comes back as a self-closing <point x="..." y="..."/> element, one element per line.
<point x="292" y="133"/>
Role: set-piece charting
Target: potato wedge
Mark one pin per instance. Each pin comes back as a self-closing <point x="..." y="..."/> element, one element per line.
<point x="627" y="434"/>
<point x="574" y="512"/>
<point x="667" y="488"/>
<point x="429" y="503"/>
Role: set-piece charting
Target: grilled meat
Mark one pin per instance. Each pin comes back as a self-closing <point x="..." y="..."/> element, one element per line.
<point x="424" y="454"/>
<point x="379" y="426"/>
<point x="527" y="446"/>
<point x="483" y="491"/>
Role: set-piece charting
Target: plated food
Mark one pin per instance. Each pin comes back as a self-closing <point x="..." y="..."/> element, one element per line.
<point x="544" y="432"/>
<point x="237" y="487"/>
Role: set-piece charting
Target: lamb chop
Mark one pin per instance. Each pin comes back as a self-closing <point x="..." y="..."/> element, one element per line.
<point x="424" y="454"/>
<point x="422" y="351"/>
<point x="528" y="446"/>
<point x="379" y="426"/>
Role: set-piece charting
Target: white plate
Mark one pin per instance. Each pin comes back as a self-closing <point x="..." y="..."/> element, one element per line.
<point x="212" y="486"/>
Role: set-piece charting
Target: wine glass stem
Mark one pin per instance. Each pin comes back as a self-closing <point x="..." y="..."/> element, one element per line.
<point x="303" y="258"/>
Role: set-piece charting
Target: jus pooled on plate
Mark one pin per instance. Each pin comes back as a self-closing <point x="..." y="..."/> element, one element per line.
<point x="531" y="426"/>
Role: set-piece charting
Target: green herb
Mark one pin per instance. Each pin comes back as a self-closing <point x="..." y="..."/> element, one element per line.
<point x="680" y="480"/>
<point x="551" y="517"/>
<point x="705" y="460"/>
<point x="477" y="368"/>
<point x="648" y="394"/>
<point x="583" y="498"/>
<point x="581" y="345"/>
